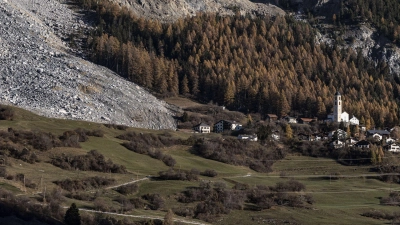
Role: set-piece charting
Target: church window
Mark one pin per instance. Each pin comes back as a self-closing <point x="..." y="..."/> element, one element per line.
<point x="339" y="103"/>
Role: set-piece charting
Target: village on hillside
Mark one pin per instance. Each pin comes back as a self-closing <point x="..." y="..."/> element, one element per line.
<point x="341" y="130"/>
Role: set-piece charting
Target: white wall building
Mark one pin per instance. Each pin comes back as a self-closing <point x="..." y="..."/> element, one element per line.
<point x="202" y="128"/>
<point x="338" y="114"/>
<point x="354" y="121"/>
<point x="247" y="137"/>
<point x="393" y="148"/>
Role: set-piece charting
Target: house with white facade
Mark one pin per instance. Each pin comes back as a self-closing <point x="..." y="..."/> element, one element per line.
<point x="390" y="141"/>
<point x="393" y="148"/>
<point x="289" y="119"/>
<point x="224" y="125"/>
<point x="354" y="121"/>
<point x="202" y="128"/>
<point x="341" y="134"/>
<point x="350" y="142"/>
<point x="248" y="137"/>
<point x="336" y="144"/>
<point x="362" y="144"/>
<point x="378" y="134"/>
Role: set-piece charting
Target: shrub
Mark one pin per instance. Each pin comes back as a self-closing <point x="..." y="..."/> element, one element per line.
<point x="93" y="161"/>
<point x="127" y="189"/>
<point x="6" y="113"/>
<point x="85" y="183"/>
<point x="257" y="157"/>
<point x="70" y="139"/>
<point x="376" y="214"/>
<point x="144" y="144"/>
<point x="116" y="126"/>
<point x="172" y="174"/>
<point x="155" y="201"/>
<point x="209" y="173"/>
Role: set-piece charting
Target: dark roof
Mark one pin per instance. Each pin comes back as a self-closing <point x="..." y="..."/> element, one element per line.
<point x="307" y="119"/>
<point x="202" y="125"/>
<point x="337" y="93"/>
<point x="381" y="132"/>
<point x="362" y="142"/>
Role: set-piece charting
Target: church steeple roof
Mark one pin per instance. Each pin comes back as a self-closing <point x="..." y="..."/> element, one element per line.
<point x="337" y="93"/>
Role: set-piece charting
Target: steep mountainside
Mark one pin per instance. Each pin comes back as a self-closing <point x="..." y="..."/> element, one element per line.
<point x="171" y="10"/>
<point x="39" y="74"/>
<point x="356" y="30"/>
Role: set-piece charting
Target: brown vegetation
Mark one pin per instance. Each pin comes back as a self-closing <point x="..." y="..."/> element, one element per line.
<point x="85" y="183"/>
<point x="145" y="144"/>
<point x="93" y="161"/>
<point x="256" y="156"/>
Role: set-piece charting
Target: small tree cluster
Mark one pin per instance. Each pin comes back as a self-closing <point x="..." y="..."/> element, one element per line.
<point x="93" y="161"/>
<point x="128" y="189"/>
<point x="257" y="157"/>
<point x="145" y="144"/>
<point x="6" y="113"/>
<point x="172" y="174"/>
<point x="85" y="183"/>
<point x="209" y="173"/>
<point x="155" y="201"/>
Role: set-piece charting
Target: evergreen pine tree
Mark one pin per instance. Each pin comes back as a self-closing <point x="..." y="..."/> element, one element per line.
<point x="72" y="216"/>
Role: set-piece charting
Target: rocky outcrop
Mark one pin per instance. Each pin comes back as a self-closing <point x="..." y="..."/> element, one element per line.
<point x="37" y="72"/>
<point x="364" y="37"/>
<point x="171" y="10"/>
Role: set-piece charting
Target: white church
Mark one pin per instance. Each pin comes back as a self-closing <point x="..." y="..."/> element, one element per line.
<point x="338" y="115"/>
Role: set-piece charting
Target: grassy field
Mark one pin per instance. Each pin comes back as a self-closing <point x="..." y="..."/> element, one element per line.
<point x="338" y="200"/>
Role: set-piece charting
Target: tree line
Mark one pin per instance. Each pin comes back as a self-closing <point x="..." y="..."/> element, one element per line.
<point x="263" y="65"/>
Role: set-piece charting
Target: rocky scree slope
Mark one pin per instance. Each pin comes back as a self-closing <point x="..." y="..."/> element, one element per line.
<point x="38" y="74"/>
<point x="171" y="10"/>
<point x="365" y="37"/>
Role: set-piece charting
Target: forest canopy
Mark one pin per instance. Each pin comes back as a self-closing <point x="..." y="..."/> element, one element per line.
<point x="263" y="65"/>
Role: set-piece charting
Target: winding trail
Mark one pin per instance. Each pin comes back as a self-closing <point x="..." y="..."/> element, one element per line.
<point x="130" y="182"/>
<point x="144" y="217"/>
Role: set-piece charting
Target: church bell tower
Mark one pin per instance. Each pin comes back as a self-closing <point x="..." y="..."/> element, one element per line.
<point x="337" y="108"/>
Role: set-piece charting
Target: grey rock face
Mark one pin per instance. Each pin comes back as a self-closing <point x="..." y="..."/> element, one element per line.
<point x="171" y="10"/>
<point x="38" y="74"/>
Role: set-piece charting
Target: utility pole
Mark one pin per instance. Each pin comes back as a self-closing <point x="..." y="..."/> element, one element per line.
<point x="44" y="195"/>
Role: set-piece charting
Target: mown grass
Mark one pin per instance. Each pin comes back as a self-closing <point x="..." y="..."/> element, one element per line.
<point x="337" y="201"/>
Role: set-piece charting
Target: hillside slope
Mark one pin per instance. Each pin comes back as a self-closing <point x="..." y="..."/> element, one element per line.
<point x="39" y="74"/>
<point x="362" y="34"/>
<point x="171" y="10"/>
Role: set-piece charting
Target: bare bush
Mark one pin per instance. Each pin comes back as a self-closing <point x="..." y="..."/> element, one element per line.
<point x="172" y="174"/>
<point x="6" y="113"/>
<point x="209" y="173"/>
<point x="116" y="126"/>
<point x="257" y="157"/>
<point x="93" y="161"/>
<point x="155" y="201"/>
<point x="85" y="183"/>
<point x="128" y="189"/>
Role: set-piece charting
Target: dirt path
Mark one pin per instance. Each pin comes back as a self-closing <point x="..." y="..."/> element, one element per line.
<point x="144" y="217"/>
<point x="130" y="182"/>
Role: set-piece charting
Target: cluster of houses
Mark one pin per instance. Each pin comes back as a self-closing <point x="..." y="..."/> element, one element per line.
<point x="224" y="125"/>
<point x="338" y="138"/>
